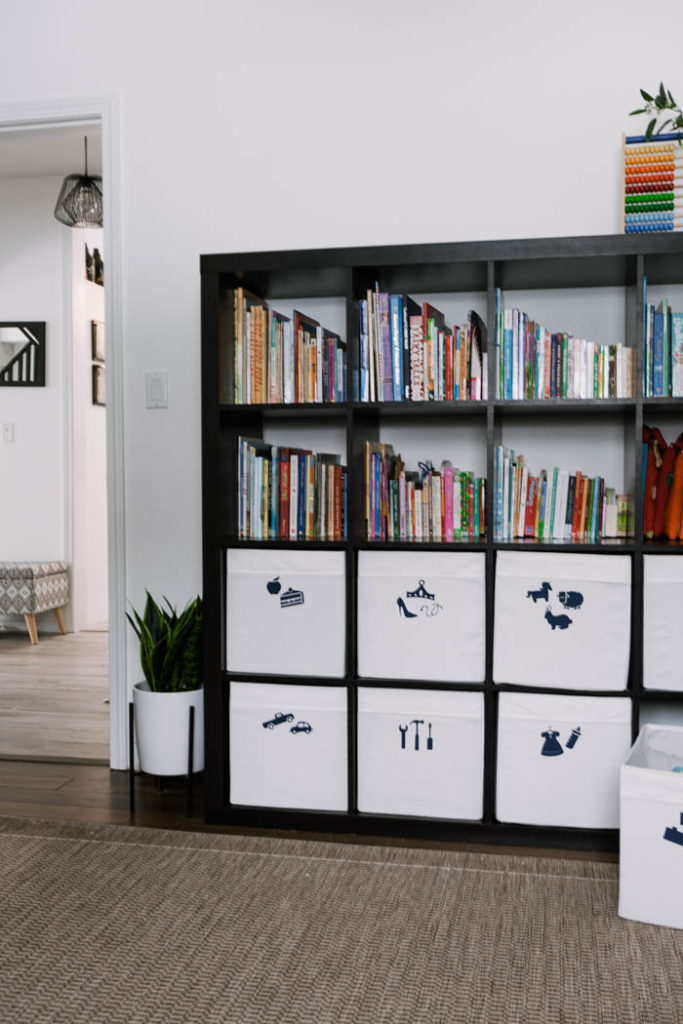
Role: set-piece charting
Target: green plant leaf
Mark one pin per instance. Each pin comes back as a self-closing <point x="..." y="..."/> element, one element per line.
<point x="663" y="126"/>
<point x="650" y="128"/>
<point x="673" y="101"/>
<point x="662" y="93"/>
<point x="643" y="110"/>
<point x="646" y="96"/>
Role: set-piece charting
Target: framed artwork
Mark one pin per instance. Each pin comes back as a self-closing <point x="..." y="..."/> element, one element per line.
<point x="97" y="336"/>
<point x="22" y="355"/>
<point x="98" y="392"/>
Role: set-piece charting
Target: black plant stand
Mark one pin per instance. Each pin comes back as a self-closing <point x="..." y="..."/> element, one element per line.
<point x="131" y="761"/>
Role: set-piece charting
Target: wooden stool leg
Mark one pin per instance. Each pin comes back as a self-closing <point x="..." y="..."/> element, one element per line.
<point x="30" y="621"/>
<point x="60" y="619"/>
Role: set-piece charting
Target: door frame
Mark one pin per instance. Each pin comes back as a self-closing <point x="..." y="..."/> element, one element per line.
<point x="106" y="110"/>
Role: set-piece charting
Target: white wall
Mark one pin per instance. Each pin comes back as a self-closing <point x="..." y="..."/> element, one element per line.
<point x="32" y="511"/>
<point x="89" y="467"/>
<point x="266" y="125"/>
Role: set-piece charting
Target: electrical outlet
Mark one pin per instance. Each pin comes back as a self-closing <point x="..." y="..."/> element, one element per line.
<point x="7" y="433"/>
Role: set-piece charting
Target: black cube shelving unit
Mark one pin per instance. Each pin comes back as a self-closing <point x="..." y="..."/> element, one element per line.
<point x="550" y="264"/>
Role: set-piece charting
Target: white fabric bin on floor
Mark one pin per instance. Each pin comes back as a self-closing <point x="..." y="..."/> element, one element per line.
<point x="420" y="752"/>
<point x="651" y="828"/>
<point x="662" y="621"/>
<point x="421" y="615"/>
<point x="559" y="758"/>
<point x="562" y="620"/>
<point x="286" y="612"/>
<point x="288" y="746"/>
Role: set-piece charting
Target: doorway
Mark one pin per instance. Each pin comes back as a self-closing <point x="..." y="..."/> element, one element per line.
<point x="55" y="695"/>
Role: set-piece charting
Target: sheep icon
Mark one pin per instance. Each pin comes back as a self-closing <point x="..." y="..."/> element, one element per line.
<point x="541" y="594"/>
<point x="561" y="621"/>
<point x="570" y="598"/>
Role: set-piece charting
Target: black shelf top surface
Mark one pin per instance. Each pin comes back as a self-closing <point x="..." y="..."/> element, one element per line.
<point x="665" y="405"/>
<point x="439" y="252"/>
<point x="354" y="681"/>
<point x="610" y="545"/>
<point x="293" y="545"/>
<point x="559" y="691"/>
<point x="662" y="547"/>
<point x="468" y="408"/>
<point x="420" y="545"/>
<point x="569" y="406"/>
<point x="298" y="410"/>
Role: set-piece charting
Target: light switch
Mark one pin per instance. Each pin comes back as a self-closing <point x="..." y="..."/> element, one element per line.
<point x="8" y="433"/>
<point x="156" y="389"/>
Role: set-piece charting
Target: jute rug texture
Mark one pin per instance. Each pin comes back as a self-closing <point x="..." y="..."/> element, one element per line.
<point x="115" y="924"/>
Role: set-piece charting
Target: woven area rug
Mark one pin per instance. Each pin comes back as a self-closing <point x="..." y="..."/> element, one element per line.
<point x="115" y="924"/>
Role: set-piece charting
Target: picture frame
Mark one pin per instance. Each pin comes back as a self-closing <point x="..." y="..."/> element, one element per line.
<point x="22" y="354"/>
<point x="98" y="385"/>
<point x="97" y="340"/>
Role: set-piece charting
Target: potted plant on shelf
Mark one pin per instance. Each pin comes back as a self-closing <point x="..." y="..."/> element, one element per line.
<point x="170" y="655"/>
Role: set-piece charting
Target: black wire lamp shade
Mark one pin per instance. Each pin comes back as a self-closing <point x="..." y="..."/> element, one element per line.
<point x="80" y="199"/>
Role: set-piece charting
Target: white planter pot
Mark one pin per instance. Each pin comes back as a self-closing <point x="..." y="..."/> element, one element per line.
<point x="162" y="722"/>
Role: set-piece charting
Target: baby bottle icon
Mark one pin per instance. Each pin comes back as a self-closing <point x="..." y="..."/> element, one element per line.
<point x="575" y="733"/>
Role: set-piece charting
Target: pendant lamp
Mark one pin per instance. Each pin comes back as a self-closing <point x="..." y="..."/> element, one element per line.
<point x="80" y="199"/>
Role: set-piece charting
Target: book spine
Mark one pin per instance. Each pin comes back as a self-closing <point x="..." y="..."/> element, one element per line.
<point x="396" y="320"/>
<point x="382" y="299"/>
<point x="677" y="355"/>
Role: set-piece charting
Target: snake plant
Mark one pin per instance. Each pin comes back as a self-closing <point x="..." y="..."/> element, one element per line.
<point x="170" y="644"/>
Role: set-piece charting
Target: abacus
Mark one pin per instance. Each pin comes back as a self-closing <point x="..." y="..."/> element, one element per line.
<point x="653" y="184"/>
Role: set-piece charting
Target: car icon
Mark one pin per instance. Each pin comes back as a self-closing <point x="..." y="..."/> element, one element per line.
<point x="278" y="719"/>
<point x="301" y="727"/>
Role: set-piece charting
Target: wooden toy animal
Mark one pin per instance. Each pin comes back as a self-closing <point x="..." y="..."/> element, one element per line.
<point x="558" y="620"/>
<point x="542" y="593"/>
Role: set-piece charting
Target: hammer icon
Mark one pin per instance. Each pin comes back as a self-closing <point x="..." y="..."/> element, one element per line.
<point x="417" y="722"/>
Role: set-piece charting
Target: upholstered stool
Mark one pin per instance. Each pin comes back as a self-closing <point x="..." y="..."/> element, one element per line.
<point x="27" y="588"/>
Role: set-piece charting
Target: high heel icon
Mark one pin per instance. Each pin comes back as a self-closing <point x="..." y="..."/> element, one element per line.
<point x="402" y="608"/>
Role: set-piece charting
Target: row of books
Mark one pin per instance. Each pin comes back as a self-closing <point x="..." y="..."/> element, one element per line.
<point x="407" y="353"/>
<point x="290" y="493"/>
<point x="556" y="504"/>
<point x="280" y="359"/>
<point x="442" y="504"/>
<point x="663" y="355"/>
<point x="533" y="362"/>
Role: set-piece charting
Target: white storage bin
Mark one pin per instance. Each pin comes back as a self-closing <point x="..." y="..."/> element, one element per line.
<point x="559" y="759"/>
<point x="286" y="612"/>
<point x="562" y="620"/>
<point x="662" y="608"/>
<point x="421" y="615"/>
<point x="651" y="828"/>
<point x="420" y="752"/>
<point x="288" y="746"/>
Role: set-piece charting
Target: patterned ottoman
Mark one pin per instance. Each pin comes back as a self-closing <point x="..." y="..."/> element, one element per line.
<point x="27" y="588"/>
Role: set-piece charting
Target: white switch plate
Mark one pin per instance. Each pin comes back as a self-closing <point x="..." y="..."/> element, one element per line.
<point x="156" y="389"/>
<point x="7" y="433"/>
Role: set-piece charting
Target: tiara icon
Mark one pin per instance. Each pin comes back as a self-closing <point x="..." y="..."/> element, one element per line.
<point x="420" y="592"/>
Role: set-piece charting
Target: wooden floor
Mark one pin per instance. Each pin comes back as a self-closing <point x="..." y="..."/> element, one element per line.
<point x="54" y="697"/>
<point x="94" y="793"/>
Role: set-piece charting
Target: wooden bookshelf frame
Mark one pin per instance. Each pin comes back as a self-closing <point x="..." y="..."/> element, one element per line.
<point x="548" y="263"/>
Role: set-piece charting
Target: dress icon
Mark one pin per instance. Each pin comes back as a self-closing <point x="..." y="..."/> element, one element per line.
<point x="552" y="747"/>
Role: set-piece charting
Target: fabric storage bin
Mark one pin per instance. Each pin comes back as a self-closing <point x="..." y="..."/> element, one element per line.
<point x="421" y="615"/>
<point x="562" y="620"/>
<point x="559" y="758"/>
<point x="286" y="612"/>
<point x="662" y="605"/>
<point x="420" y="752"/>
<point x="651" y="828"/>
<point x="288" y="746"/>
